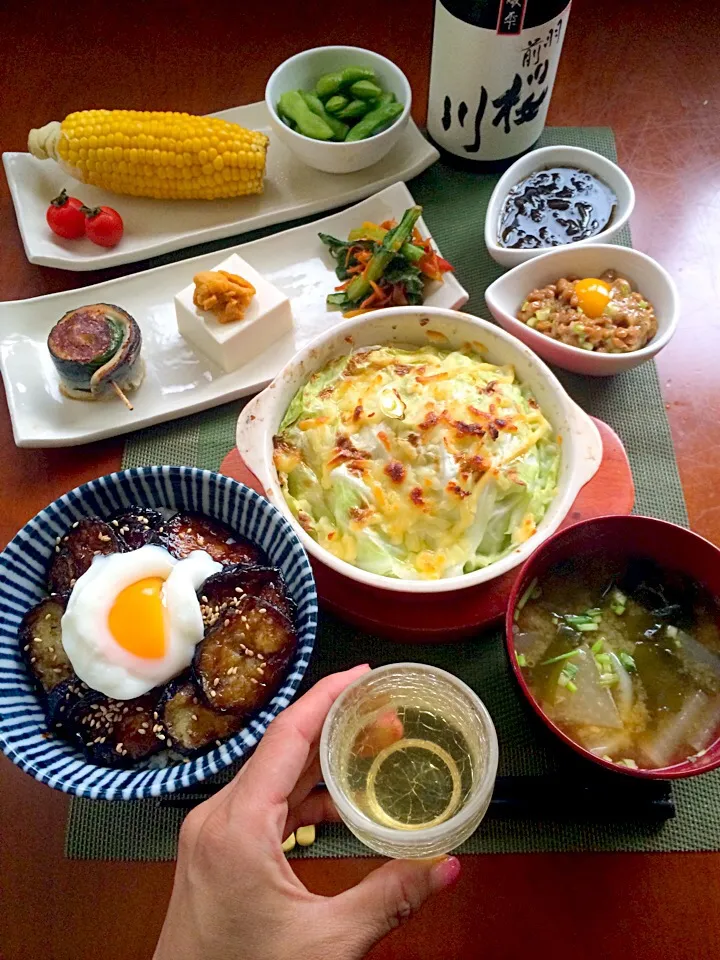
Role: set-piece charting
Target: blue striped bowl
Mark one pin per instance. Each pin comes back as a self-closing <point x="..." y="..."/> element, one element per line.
<point x="23" y="568"/>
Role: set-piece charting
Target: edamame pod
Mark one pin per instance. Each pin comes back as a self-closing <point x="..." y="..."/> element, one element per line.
<point x="339" y="129"/>
<point x="293" y="106"/>
<point x="331" y="83"/>
<point x="355" y="109"/>
<point x="366" y="90"/>
<point x="374" y="121"/>
<point x="336" y="103"/>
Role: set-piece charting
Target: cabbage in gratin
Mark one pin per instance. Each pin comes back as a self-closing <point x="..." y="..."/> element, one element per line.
<point x="416" y="463"/>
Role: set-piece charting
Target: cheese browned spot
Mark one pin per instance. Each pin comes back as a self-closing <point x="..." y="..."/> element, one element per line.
<point x="395" y="470"/>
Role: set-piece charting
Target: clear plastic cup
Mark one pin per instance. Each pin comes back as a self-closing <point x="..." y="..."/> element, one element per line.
<point x="385" y="726"/>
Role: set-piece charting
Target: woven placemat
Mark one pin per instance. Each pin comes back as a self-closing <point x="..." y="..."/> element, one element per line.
<point x="454" y="206"/>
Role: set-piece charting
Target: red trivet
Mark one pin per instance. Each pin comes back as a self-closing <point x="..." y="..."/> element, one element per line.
<point x="443" y="618"/>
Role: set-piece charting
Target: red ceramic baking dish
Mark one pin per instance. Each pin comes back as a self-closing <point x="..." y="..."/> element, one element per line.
<point x="673" y="548"/>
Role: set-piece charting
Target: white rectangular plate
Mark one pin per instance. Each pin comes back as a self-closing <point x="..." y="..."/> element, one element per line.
<point x="180" y="381"/>
<point x="152" y="227"/>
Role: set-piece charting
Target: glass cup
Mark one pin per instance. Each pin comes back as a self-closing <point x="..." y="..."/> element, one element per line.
<point x="409" y="755"/>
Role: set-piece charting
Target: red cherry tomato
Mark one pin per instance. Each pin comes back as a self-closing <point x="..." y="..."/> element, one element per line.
<point x="65" y="217"/>
<point x="103" y="225"/>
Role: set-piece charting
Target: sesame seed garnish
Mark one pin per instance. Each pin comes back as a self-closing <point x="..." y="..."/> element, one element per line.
<point x="216" y="681"/>
<point x="48" y="616"/>
<point x="253" y="680"/>
<point x="194" y="716"/>
<point x="33" y="659"/>
<point x="76" y="524"/>
<point x="212" y="693"/>
<point x="119" y="748"/>
<point x="115" y="523"/>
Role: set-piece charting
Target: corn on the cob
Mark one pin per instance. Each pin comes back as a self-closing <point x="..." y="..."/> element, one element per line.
<point x="151" y="154"/>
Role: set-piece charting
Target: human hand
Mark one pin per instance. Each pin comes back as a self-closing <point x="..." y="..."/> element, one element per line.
<point x="235" y="895"/>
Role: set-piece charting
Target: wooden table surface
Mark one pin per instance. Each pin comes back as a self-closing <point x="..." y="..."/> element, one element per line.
<point x="651" y="71"/>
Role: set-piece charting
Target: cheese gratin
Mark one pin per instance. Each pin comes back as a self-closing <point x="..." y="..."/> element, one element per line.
<point x="416" y="463"/>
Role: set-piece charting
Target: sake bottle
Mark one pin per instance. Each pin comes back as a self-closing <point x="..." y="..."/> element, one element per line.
<point x="491" y="75"/>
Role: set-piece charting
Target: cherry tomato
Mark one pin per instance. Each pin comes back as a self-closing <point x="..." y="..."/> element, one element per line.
<point x="65" y="216"/>
<point x="103" y="225"/>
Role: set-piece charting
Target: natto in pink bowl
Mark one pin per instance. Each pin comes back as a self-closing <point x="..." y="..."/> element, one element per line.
<point x="671" y="547"/>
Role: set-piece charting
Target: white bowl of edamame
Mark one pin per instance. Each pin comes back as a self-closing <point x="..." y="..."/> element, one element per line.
<point x="339" y="109"/>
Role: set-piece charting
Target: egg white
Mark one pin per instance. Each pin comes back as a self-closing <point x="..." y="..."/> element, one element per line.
<point x="93" y="652"/>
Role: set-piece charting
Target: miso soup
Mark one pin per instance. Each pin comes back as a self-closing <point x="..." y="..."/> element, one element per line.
<point x="625" y="659"/>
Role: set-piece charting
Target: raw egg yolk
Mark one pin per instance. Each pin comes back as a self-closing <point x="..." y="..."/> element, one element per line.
<point x="137" y="620"/>
<point x="593" y="296"/>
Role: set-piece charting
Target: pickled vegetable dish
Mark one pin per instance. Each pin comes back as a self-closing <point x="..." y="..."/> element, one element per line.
<point x="416" y="463"/>
<point x="625" y="659"/>
<point x="383" y="265"/>
<point x="603" y="313"/>
<point x="346" y="105"/>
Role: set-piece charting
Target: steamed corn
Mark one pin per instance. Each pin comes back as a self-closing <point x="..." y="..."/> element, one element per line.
<point x="155" y="154"/>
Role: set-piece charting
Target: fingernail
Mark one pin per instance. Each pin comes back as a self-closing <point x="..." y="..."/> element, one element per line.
<point x="444" y="874"/>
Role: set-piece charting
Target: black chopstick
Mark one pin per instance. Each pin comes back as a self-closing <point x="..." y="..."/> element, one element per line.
<point x="604" y="798"/>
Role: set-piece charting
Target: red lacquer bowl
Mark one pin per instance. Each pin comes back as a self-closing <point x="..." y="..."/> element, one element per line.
<point x="671" y="547"/>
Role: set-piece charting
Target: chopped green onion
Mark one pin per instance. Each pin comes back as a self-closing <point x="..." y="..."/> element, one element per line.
<point x="572" y="687"/>
<point x="597" y="646"/>
<point x="643" y="304"/>
<point x="603" y="658"/>
<point x="531" y="322"/>
<point x="521" y="660"/>
<point x="587" y="627"/>
<point x="618" y="602"/>
<point x="525" y="305"/>
<point x="571" y="670"/>
<point x="562" y="656"/>
<point x="526" y="594"/>
<point x="536" y="594"/>
<point x="563" y="680"/>
<point x="672" y="632"/>
<point x="627" y="762"/>
<point x="608" y="680"/>
<point x="628" y="662"/>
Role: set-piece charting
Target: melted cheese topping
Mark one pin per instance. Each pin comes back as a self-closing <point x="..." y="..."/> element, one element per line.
<point x="416" y="463"/>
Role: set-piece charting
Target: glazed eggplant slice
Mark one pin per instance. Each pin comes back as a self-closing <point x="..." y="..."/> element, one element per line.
<point x="117" y="733"/>
<point x="40" y="637"/>
<point x="138" y="526"/>
<point x="190" y="723"/>
<point x="226" y="589"/>
<point x="75" y="552"/>
<point x="242" y="659"/>
<point x="60" y="703"/>
<point x="186" y="532"/>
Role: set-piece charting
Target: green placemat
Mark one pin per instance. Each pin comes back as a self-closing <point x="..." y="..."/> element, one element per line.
<point x="454" y="206"/>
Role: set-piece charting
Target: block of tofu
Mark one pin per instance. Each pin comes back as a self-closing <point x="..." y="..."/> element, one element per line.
<point x="231" y="345"/>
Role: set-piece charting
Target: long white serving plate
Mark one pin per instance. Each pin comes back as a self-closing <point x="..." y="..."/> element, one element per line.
<point x="152" y="227"/>
<point x="180" y="381"/>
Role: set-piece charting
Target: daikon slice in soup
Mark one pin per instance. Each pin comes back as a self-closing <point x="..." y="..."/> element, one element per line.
<point x="624" y="658"/>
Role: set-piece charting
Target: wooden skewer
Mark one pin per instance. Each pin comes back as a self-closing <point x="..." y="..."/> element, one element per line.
<point x="122" y="396"/>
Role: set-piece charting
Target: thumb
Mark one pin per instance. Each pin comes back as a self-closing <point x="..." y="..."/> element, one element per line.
<point x="389" y="896"/>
